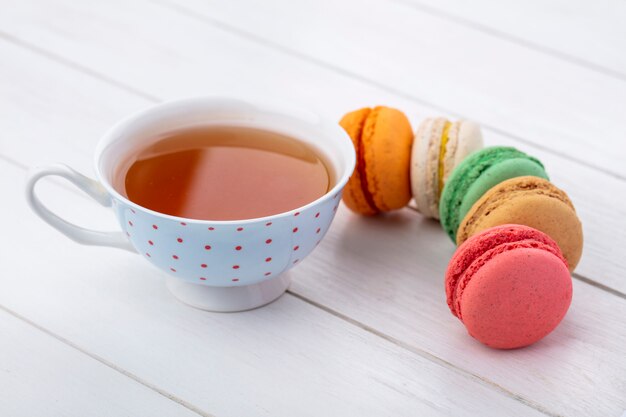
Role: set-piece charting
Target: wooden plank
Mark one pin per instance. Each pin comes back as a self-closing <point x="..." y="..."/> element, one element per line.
<point x="390" y="280"/>
<point x="528" y="94"/>
<point x="387" y="274"/>
<point x="453" y="68"/>
<point x="586" y="33"/>
<point x="41" y="376"/>
<point x="599" y="198"/>
<point x="289" y="358"/>
<point x="50" y="114"/>
<point x="506" y="93"/>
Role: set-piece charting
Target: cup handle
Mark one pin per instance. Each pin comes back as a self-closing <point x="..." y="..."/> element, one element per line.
<point x="92" y="188"/>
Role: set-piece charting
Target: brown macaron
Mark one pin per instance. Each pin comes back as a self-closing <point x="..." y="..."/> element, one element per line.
<point x="382" y="139"/>
<point x="529" y="201"/>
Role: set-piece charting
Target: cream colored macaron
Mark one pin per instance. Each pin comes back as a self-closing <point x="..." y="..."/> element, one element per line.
<point x="439" y="146"/>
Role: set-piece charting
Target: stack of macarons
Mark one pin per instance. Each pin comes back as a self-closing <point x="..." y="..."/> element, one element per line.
<point x="394" y="164"/>
<point x="518" y="234"/>
<point x="501" y="185"/>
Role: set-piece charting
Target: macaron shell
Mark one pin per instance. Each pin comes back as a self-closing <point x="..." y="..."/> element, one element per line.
<point x="533" y="202"/>
<point x="516" y="298"/>
<point x="495" y="174"/>
<point x="353" y="196"/>
<point x="485" y="242"/>
<point x="386" y="139"/>
<point x="425" y="164"/>
<point x="468" y="172"/>
<point x="419" y="163"/>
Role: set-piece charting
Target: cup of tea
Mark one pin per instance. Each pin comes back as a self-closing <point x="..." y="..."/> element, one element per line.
<point x="223" y="195"/>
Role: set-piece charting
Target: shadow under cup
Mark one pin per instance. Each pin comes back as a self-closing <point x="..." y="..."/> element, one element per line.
<point x="224" y="265"/>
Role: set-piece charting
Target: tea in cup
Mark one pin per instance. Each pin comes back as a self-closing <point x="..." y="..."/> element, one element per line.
<point x="223" y="195"/>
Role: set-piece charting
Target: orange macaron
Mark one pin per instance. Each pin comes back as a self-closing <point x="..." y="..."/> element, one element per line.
<point x="382" y="139"/>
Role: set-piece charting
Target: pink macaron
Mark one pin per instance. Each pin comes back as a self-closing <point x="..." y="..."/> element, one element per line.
<point x="509" y="285"/>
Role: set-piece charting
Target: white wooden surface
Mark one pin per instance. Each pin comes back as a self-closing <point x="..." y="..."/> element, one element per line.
<point x="365" y="329"/>
<point x="43" y="376"/>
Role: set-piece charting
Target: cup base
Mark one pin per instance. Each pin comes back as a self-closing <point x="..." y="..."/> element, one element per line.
<point x="228" y="299"/>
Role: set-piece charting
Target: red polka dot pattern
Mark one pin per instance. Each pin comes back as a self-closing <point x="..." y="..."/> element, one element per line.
<point x="259" y="249"/>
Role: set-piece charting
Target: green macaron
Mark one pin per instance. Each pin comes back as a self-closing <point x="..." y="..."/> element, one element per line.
<point x="478" y="173"/>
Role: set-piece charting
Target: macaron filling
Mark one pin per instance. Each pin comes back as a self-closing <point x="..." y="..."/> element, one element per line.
<point x="361" y="169"/>
<point x="456" y="150"/>
<point x="442" y="155"/>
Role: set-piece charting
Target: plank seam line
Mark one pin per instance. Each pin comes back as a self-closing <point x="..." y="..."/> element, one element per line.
<point x="368" y="81"/>
<point x="303" y="57"/>
<point x="77" y="67"/>
<point x="12" y="161"/>
<point x="108" y="364"/>
<point x="496" y="33"/>
<point x="428" y="356"/>
<point x="575" y="275"/>
<point x="598" y="285"/>
<point x="422" y="353"/>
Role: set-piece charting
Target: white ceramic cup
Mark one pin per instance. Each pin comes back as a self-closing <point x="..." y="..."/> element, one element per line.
<point x="213" y="265"/>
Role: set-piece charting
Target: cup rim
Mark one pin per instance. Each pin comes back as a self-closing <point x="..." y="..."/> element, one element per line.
<point x="285" y="108"/>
